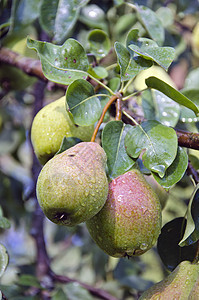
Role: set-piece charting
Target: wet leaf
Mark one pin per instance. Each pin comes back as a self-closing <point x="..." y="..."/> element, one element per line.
<point x="130" y="65"/>
<point x="167" y="110"/>
<point x="113" y="136"/>
<point x="99" y="43"/>
<point x="159" y="141"/>
<point x="21" y="17"/>
<point x="93" y="16"/>
<point x="151" y="23"/>
<point x="176" y="170"/>
<point x="149" y="49"/>
<point x="187" y="115"/>
<point x="172" y="93"/>
<point x="58" y="19"/>
<point x="61" y="64"/>
<point x="98" y="72"/>
<point x="191" y="234"/>
<point x="170" y="252"/>
<point x="83" y="103"/>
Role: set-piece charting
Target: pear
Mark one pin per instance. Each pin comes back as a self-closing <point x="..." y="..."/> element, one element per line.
<point x="181" y="284"/>
<point x="49" y="127"/>
<point x="157" y="71"/>
<point x="72" y="186"/>
<point x="130" y="221"/>
<point x="162" y="194"/>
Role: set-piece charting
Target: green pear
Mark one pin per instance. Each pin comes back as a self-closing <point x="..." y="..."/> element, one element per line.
<point x="157" y="71"/>
<point x="72" y="186"/>
<point x="49" y="127"/>
<point x="130" y="221"/>
<point x="181" y="284"/>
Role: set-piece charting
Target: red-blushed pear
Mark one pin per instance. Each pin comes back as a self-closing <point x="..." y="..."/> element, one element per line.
<point x="72" y="186"/>
<point x="49" y="127"/>
<point x="130" y="221"/>
<point x="181" y="284"/>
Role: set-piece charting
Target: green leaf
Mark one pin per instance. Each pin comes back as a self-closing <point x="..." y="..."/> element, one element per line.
<point x="192" y="79"/>
<point x="168" y="247"/>
<point x="99" y="43"/>
<point x="58" y="19"/>
<point x="113" y="136"/>
<point x="61" y="64"/>
<point x="166" y="16"/>
<point x="155" y="83"/>
<point x="59" y="295"/>
<point x="148" y="49"/>
<point x="175" y="172"/>
<point x="83" y="103"/>
<point x="130" y="65"/>
<point x="94" y="17"/>
<point x="159" y="141"/>
<point x="98" y="72"/>
<point x="21" y="16"/>
<point x="75" y="291"/>
<point x="3" y="259"/>
<point x="152" y="23"/>
<point x="4" y="223"/>
<point x="157" y="106"/>
<point x="187" y="115"/>
<point x="167" y="111"/>
<point x="67" y="143"/>
<point x="29" y="280"/>
<point x="191" y="234"/>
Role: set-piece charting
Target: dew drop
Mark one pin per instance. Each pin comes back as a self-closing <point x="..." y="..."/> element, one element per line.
<point x="143" y="246"/>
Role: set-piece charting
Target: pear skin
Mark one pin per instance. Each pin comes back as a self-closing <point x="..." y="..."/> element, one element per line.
<point x="181" y="284"/>
<point x="72" y="186"/>
<point x="130" y="221"/>
<point x="49" y="127"/>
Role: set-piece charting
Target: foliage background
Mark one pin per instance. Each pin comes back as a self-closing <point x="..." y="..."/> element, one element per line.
<point x="71" y="252"/>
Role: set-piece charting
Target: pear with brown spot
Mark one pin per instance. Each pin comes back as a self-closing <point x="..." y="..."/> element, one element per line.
<point x="130" y="221"/>
<point x="72" y="186"/>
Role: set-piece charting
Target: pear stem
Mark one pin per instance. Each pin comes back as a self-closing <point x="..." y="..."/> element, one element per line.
<point x="106" y="107"/>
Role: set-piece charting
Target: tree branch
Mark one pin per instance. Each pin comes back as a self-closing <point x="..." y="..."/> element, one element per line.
<point x="94" y="291"/>
<point x="28" y="65"/>
<point x="188" y="139"/>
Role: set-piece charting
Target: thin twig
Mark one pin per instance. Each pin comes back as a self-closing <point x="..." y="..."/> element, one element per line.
<point x="188" y="139"/>
<point x="118" y="115"/>
<point x="112" y="99"/>
<point x="94" y="291"/>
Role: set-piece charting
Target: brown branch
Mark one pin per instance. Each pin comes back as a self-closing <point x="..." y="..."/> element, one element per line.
<point x="118" y="115"/>
<point x="106" y="107"/>
<point x="94" y="291"/>
<point x="28" y="65"/>
<point x="188" y="139"/>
